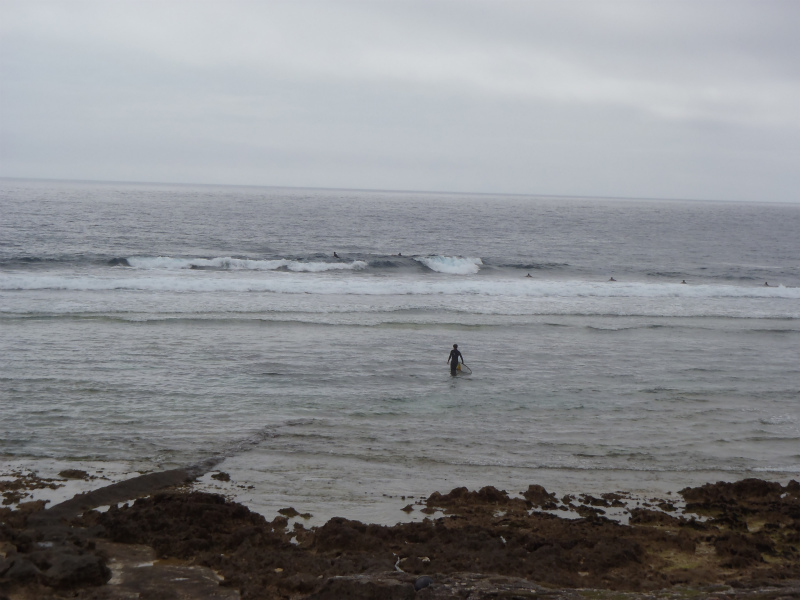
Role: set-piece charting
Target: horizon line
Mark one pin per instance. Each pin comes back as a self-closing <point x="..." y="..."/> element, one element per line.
<point x="396" y="191"/>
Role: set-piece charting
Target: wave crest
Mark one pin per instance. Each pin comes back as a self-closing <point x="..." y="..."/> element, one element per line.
<point x="452" y="265"/>
<point x="241" y="264"/>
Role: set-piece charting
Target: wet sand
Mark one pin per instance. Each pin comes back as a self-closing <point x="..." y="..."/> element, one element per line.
<point x="723" y="540"/>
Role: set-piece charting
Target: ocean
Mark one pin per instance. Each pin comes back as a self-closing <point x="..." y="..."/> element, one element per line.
<point x="146" y="327"/>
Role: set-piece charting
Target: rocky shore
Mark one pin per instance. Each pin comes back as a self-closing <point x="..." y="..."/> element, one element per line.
<point x="724" y="540"/>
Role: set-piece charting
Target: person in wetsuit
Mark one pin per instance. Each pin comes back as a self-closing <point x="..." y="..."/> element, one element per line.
<point x="453" y="359"/>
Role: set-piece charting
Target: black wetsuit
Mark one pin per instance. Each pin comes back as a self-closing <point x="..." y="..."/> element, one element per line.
<point x="453" y="360"/>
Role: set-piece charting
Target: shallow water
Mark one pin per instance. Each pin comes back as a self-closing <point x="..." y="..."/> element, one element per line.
<point x="233" y="333"/>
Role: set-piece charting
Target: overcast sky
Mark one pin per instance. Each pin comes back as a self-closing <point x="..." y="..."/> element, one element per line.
<point x="666" y="99"/>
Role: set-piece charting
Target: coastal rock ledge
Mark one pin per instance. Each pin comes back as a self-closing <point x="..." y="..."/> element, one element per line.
<point x="732" y="540"/>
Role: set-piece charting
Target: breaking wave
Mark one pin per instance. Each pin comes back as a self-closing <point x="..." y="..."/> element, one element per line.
<point x="283" y="282"/>
<point x="451" y="265"/>
<point x="239" y="264"/>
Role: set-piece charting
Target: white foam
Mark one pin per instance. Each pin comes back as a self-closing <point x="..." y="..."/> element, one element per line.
<point x="327" y="283"/>
<point x="451" y="265"/>
<point x="241" y="264"/>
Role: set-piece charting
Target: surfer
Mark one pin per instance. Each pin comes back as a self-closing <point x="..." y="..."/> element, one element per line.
<point x="453" y="359"/>
<point x="612" y="279"/>
<point x="335" y="255"/>
<point x="766" y="284"/>
<point x="684" y="281"/>
<point x="528" y="275"/>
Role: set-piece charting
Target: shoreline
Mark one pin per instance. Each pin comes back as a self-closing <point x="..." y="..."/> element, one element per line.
<point x="741" y="537"/>
<point x="381" y="506"/>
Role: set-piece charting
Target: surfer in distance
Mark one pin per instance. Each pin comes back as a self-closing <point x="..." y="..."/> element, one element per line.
<point x="335" y="255"/>
<point x="612" y="279"/>
<point x="453" y="359"/>
<point x="528" y="275"/>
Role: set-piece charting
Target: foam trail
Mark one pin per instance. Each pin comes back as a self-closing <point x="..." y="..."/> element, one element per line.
<point x="452" y="265"/>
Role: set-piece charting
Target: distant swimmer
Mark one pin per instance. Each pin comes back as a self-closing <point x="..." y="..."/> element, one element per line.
<point x="684" y="281"/>
<point x="528" y="275"/>
<point x="453" y="359"/>
<point x="612" y="279"/>
<point x="335" y="255"/>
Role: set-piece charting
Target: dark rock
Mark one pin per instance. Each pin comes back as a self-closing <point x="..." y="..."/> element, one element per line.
<point x="693" y="523"/>
<point x="343" y="534"/>
<point x="538" y="496"/>
<point x="612" y="496"/>
<point x="422" y="582"/>
<point x="73" y="570"/>
<point x="491" y="495"/>
<point x="737" y="551"/>
<point x="486" y="546"/>
<point x="12" y="497"/>
<point x="644" y="516"/>
<point x="614" y="553"/>
<point x="279" y="523"/>
<point x="22" y="570"/>
<point x="360" y="587"/>
<point x="221" y="476"/>
<point x="73" y="474"/>
<point x="461" y="495"/>
<point x="588" y="499"/>
<point x="730" y="519"/>
<point x="486" y="501"/>
<point x="121" y="491"/>
<point x="302" y="583"/>
<point x="745" y="490"/>
<point x="588" y="512"/>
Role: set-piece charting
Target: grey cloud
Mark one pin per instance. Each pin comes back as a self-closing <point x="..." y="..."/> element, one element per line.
<point x="664" y="99"/>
